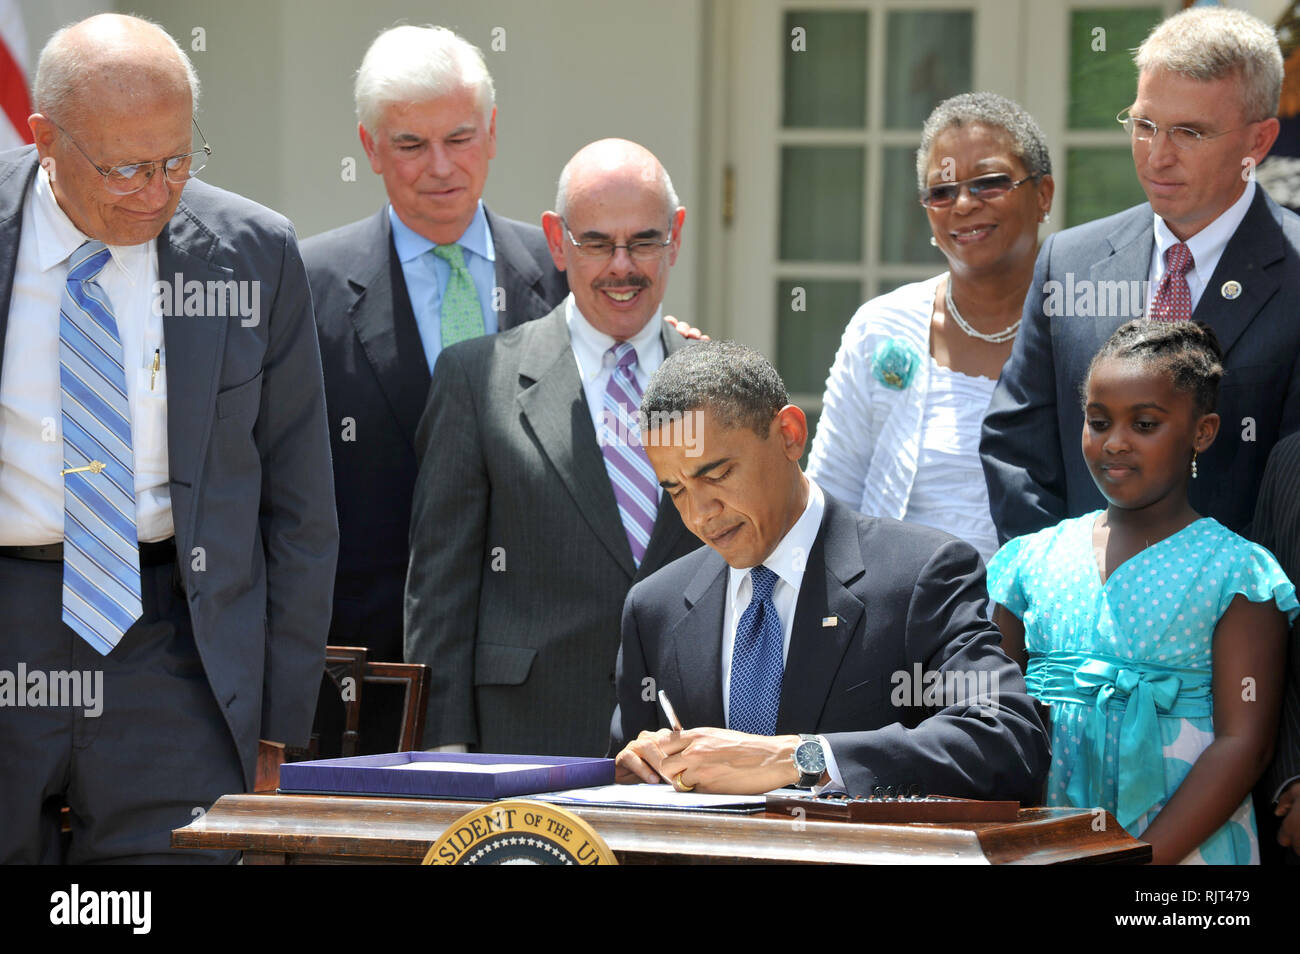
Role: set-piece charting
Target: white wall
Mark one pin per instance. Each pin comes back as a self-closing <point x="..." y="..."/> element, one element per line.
<point x="277" y="95"/>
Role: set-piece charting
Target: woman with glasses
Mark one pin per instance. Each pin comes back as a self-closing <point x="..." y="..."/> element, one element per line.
<point x="900" y="425"/>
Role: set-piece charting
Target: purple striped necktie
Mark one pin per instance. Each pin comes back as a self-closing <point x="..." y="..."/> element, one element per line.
<point x="635" y="488"/>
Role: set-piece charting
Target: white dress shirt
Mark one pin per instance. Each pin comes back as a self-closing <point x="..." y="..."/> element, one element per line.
<point x="31" y="402"/>
<point x="788" y="562"/>
<point x="1206" y="246"/>
<point x="595" y="364"/>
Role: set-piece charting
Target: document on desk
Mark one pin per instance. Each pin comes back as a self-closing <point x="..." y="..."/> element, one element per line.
<point x="643" y="795"/>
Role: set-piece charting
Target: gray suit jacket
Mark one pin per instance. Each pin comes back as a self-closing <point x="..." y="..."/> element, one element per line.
<point x="907" y="600"/>
<point x="251" y="491"/>
<point x="1030" y="445"/>
<point x="519" y="560"/>
<point x="376" y="377"/>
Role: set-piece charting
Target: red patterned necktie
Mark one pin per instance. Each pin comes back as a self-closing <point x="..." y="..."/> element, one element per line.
<point x="1173" y="301"/>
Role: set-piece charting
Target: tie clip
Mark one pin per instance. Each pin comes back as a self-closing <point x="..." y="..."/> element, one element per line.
<point x="829" y="621"/>
<point x="95" y="467"/>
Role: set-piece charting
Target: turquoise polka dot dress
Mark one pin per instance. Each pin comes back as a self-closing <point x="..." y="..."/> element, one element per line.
<point x="1126" y="665"/>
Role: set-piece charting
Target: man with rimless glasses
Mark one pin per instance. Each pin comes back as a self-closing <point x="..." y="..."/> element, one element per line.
<point x="1208" y="244"/>
<point x="167" y="532"/>
<point x="536" y="508"/>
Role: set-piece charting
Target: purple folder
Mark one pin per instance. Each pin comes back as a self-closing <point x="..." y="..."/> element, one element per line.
<point x="400" y="774"/>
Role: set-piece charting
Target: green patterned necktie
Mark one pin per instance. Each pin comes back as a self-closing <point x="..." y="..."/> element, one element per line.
<point x="462" y="314"/>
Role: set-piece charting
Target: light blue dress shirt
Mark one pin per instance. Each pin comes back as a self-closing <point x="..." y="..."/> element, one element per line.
<point x="427" y="275"/>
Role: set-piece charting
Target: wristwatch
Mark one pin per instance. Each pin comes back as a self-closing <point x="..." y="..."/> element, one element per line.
<point x="810" y="760"/>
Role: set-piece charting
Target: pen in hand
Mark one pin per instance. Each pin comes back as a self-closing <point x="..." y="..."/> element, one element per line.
<point x="676" y="725"/>
<point x="669" y="713"/>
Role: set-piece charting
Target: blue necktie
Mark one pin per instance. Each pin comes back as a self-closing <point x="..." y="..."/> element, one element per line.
<point x="757" y="660"/>
<point x="101" y="551"/>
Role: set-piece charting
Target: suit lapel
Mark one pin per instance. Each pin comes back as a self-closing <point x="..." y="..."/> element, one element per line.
<point x="1131" y="246"/>
<point x="816" y="651"/>
<point x="1256" y="244"/>
<point x="384" y="321"/>
<point x="15" y="183"/>
<point x="697" y="645"/>
<point x="555" y="406"/>
<point x="194" y="347"/>
<point x="517" y="272"/>
<point x="668" y="529"/>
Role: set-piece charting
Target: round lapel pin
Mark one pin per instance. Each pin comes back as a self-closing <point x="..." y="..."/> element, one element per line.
<point x="1230" y="290"/>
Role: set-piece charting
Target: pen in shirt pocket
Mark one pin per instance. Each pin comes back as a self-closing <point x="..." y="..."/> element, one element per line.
<point x="154" y="369"/>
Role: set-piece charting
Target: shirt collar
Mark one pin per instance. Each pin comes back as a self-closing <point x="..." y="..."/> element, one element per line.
<point x="1208" y="244"/>
<point x="590" y="344"/>
<point x="410" y="244"/>
<point x="57" y="238"/>
<point x="790" y="557"/>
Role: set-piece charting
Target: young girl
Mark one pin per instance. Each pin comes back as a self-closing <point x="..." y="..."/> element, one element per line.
<point x="1155" y="636"/>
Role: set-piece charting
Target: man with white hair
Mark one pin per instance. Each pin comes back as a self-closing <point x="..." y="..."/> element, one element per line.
<point x="167" y="540"/>
<point x="431" y="268"/>
<point x="1212" y="246"/>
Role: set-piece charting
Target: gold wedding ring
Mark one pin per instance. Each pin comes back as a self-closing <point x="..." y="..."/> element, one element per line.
<point x="681" y="786"/>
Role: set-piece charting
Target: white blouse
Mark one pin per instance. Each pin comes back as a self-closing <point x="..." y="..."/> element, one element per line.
<point x="904" y="445"/>
<point x="949" y="492"/>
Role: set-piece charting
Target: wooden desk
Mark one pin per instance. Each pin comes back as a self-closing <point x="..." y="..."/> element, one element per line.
<point x="340" y="829"/>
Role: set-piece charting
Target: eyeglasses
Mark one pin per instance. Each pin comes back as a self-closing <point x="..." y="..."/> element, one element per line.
<point x="131" y="177"/>
<point x="980" y="188"/>
<point x="642" y="250"/>
<point x="1183" y="137"/>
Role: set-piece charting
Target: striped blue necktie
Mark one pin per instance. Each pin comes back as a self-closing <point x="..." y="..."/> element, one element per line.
<point x="757" y="660"/>
<point x="101" y="552"/>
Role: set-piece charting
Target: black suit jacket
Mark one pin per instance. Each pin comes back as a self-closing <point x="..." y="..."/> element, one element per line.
<point x="1031" y="439"/>
<point x="1277" y="526"/>
<point x="376" y="385"/>
<point x="920" y="602"/>
<point x="519" y="559"/>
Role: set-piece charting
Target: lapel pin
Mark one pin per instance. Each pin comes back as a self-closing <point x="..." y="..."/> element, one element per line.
<point x="829" y="621"/>
<point x="1230" y="289"/>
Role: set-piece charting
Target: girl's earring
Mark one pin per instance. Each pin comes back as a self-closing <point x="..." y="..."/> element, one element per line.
<point x="934" y="241"/>
<point x="1193" y="465"/>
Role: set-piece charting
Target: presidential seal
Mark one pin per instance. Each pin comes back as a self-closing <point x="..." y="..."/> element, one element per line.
<point x="520" y="833"/>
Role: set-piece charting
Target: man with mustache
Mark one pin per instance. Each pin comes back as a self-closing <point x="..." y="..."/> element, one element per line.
<point x="535" y="508"/>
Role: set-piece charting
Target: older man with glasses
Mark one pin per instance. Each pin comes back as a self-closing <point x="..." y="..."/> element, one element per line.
<point x="536" y="508"/>
<point x="1209" y="244"/>
<point x="167" y="533"/>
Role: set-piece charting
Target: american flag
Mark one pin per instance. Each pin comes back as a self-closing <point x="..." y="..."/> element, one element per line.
<point x="14" y="98"/>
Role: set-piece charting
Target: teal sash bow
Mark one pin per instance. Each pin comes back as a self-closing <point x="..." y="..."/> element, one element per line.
<point x="1146" y="691"/>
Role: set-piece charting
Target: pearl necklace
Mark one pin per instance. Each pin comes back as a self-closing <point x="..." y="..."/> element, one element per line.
<point x="998" y="337"/>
